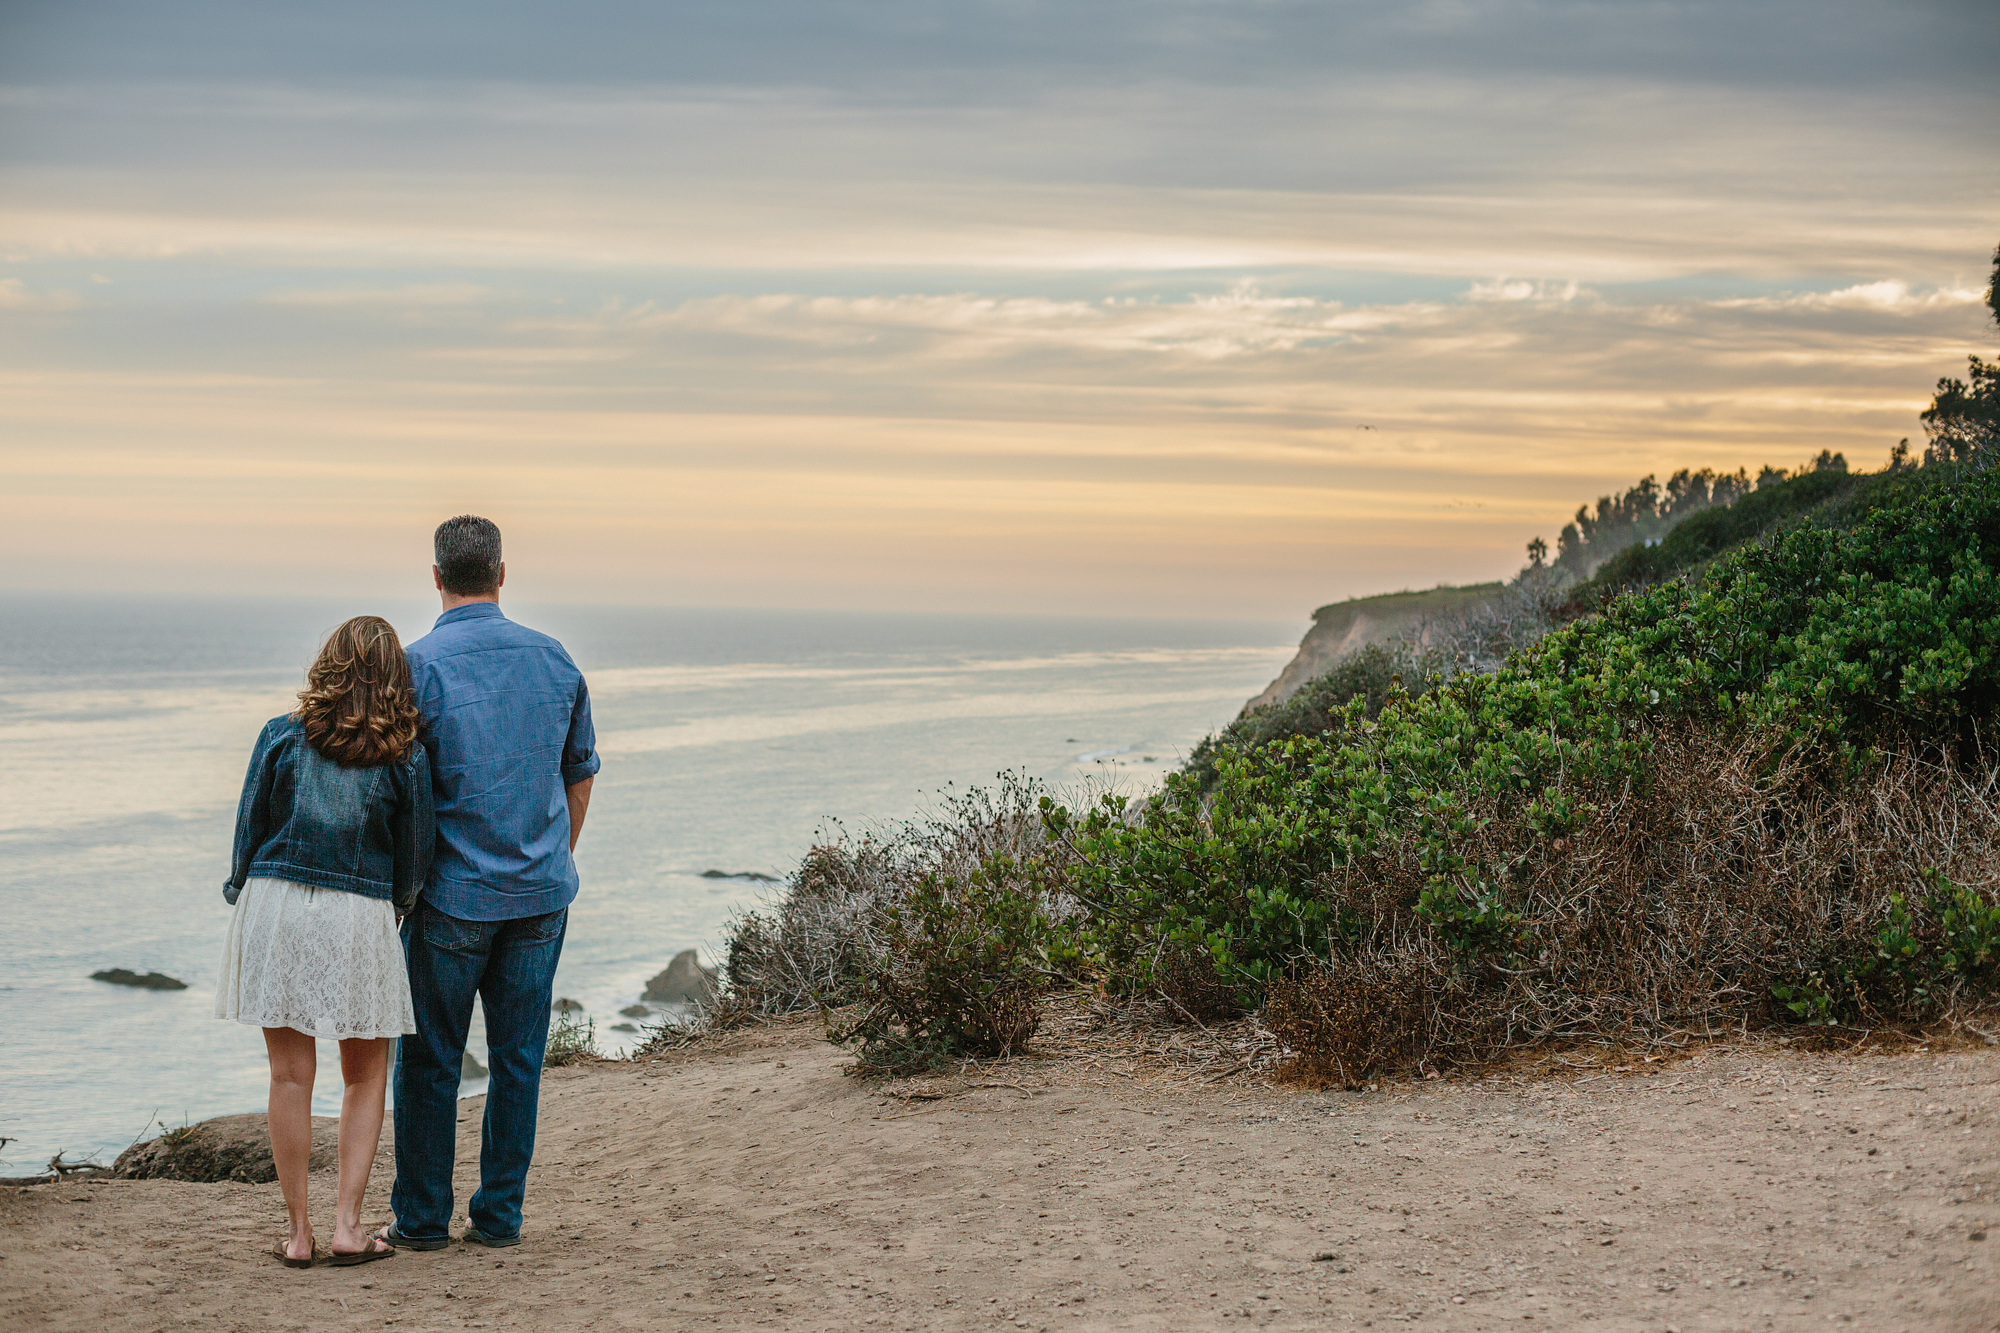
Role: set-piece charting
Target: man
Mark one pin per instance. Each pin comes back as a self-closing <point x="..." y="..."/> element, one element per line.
<point x="512" y="753"/>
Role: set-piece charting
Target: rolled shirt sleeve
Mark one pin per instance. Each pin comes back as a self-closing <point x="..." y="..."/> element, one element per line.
<point x="579" y="759"/>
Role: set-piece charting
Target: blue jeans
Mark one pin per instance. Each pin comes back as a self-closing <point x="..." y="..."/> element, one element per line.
<point x="511" y="966"/>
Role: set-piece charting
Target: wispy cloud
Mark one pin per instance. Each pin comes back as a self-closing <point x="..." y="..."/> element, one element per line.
<point x="1889" y="296"/>
<point x="1240" y="321"/>
<point x="15" y="295"/>
<point x="1524" y="289"/>
<point x="1503" y="329"/>
<point x="410" y="296"/>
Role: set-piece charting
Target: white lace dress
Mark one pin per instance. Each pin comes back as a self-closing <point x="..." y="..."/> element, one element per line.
<point x="326" y="962"/>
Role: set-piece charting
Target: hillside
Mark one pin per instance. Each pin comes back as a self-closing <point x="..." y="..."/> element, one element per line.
<point x="1660" y="534"/>
<point x="1343" y="628"/>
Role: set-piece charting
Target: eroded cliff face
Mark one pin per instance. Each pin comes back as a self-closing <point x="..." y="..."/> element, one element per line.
<point x="1344" y="627"/>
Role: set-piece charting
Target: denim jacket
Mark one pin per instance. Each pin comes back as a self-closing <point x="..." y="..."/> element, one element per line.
<point x="306" y="819"/>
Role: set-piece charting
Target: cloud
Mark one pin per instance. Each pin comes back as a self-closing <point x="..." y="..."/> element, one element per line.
<point x="1889" y="296"/>
<point x="14" y="295"/>
<point x="1240" y="321"/>
<point x="1524" y="289"/>
<point x="413" y="295"/>
<point x="1515" y="325"/>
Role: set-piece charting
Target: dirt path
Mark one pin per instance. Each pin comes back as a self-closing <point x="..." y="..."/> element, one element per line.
<point x="1740" y="1189"/>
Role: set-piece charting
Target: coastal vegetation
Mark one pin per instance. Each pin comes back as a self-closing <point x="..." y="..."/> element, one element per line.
<point x="572" y="1039"/>
<point x="1735" y="771"/>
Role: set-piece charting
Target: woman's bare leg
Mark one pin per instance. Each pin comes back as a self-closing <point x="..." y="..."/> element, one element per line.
<point x="294" y="1060"/>
<point x="364" y="1065"/>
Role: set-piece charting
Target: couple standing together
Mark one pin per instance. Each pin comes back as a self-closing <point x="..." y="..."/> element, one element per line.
<point x="403" y="845"/>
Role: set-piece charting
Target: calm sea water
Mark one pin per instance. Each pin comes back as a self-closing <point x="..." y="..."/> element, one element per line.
<point x="729" y="738"/>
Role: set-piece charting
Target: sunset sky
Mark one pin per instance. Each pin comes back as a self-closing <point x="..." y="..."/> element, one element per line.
<point x="1170" y="308"/>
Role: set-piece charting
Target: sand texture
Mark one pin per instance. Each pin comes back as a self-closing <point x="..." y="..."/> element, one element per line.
<point x="1742" y="1188"/>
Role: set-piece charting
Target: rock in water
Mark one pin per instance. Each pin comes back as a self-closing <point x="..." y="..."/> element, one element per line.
<point x="469" y="1067"/>
<point x="230" y="1147"/>
<point x="567" y="1006"/>
<point x="684" y="981"/>
<point x="635" y="1011"/>
<point x="119" y="976"/>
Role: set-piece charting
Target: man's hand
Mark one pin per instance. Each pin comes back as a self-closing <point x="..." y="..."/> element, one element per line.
<point x="579" y="805"/>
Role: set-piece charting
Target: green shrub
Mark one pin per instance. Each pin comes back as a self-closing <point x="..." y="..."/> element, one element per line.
<point x="1190" y="980"/>
<point x="812" y="947"/>
<point x="1969" y="927"/>
<point x="1370" y="674"/>
<point x="1920" y="959"/>
<point x="960" y="973"/>
<point x="1821" y="653"/>
<point x="815" y="943"/>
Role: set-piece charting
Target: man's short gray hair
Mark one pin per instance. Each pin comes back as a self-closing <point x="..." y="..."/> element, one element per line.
<point x="468" y="555"/>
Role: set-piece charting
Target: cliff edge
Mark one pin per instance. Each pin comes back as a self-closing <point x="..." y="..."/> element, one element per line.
<point x="1343" y="627"/>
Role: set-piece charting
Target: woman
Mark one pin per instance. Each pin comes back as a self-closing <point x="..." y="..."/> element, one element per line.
<point x="333" y="840"/>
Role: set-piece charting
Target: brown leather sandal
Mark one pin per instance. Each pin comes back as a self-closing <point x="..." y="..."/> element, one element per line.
<point x="367" y="1256"/>
<point x="285" y="1256"/>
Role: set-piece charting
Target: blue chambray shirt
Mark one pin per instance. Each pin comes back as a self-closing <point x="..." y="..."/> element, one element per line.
<point x="507" y="720"/>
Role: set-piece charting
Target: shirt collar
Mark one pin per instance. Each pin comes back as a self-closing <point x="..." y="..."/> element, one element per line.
<point x="471" y="611"/>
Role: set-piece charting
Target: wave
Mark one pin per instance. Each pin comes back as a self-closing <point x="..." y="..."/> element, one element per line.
<point x="619" y="680"/>
<point x="739" y="728"/>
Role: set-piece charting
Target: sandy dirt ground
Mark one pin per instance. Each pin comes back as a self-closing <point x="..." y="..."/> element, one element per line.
<point x="1744" y="1187"/>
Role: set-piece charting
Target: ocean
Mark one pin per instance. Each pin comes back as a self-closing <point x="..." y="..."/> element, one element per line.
<point x="731" y="739"/>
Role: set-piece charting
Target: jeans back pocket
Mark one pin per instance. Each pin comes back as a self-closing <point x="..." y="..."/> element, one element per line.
<point x="545" y="929"/>
<point x="448" y="932"/>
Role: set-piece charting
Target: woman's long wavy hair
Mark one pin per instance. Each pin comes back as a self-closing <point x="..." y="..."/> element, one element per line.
<point x="357" y="707"/>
